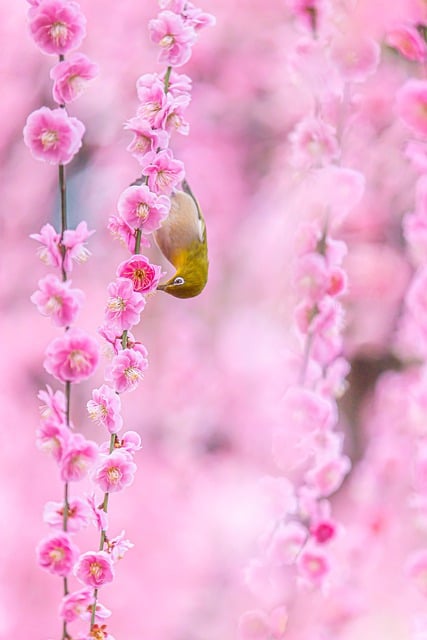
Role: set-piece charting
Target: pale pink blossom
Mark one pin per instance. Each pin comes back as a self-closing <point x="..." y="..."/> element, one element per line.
<point x="78" y="606"/>
<point x="72" y="357"/>
<point x="356" y="57"/>
<point x="154" y="100"/>
<point x="57" y="26"/>
<point x="52" y="135"/>
<point x="196" y="17"/>
<point x="78" y="515"/>
<point x="74" y="241"/>
<point x="53" y="407"/>
<point x="52" y="438"/>
<point x="314" y="143"/>
<point x="78" y="458"/>
<point x="105" y="408"/>
<point x="117" y="547"/>
<point x="99" y="516"/>
<point x="71" y="77"/>
<point x="170" y="31"/>
<point x="57" y="553"/>
<point x="131" y="441"/>
<point x="411" y="105"/>
<point x="143" y="275"/>
<point x="115" y="472"/>
<point x="417" y="570"/>
<point x="313" y="566"/>
<point x="127" y="370"/>
<point x="124" y="305"/>
<point x="328" y="475"/>
<point x="416" y="297"/>
<point x="408" y="41"/>
<point x="279" y="494"/>
<point x="143" y="209"/>
<point x="49" y="252"/>
<point x="120" y="229"/>
<point x="179" y="83"/>
<point x="287" y="543"/>
<point x="174" y="116"/>
<point x="164" y="172"/>
<point x="145" y="137"/>
<point x="94" y="568"/>
<point x="254" y="625"/>
<point x="57" y="300"/>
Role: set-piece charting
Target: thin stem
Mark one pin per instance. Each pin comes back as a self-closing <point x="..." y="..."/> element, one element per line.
<point x="124" y="339"/>
<point x="64" y="222"/>
<point x="67" y="402"/>
<point x="167" y="78"/>
<point x="138" y="240"/>
<point x="307" y="349"/>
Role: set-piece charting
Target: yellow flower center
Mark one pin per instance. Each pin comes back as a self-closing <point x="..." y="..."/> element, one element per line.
<point x="59" y="32"/>
<point x="95" y="569"/>
<point x="133" y="374"/>
<point x="116" y="304"/>
<point x="142" y="211"/>
<point x="57" y="554"/>
<point x="78" y="360"/>
<point x="167" y="41"/>
<point x="49" y="139"/>
<point x="114" y="475"/>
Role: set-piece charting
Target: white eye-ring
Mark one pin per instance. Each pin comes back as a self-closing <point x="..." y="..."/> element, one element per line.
<point x="178" y="280"/>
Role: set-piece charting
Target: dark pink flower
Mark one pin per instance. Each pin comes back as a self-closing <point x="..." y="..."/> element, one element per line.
<point x="72" y="357"/>
<point x="143" y="275"/>
<point x="52" y="135"/>
<point x="115" y="472"/>
<point x="323" y="531"/>
<point x="170" y="31"/>
<point x="78" y="458"/>
<point x="57" y="26"/>
<point x="143" y="209"/>
<point x="124" y="305"/>
<point x="105" y="408"/>
<point x="57" y="300"/>
<point x="71" y="77"/>
<point x="57" y="554"/>
<point x="164" y="172"/>
<point x="94" y="568"/>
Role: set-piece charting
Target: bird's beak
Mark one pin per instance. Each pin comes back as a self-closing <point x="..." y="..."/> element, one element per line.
<point x="161" y="287"/>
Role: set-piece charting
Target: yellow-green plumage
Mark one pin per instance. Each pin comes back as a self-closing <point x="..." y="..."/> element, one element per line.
<point x="182" y="240"/>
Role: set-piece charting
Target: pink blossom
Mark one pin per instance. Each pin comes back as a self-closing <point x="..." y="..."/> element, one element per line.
<point x="57" y="300"/>
<point x="131" y="441"/>
<point x="313" y="566"/>
<point x="116" y="471"/>
<point x="145" y="137"/>
<point x="52" y="438"/>
<point x="164" y="172"/>
<point x="57" y="553"/>
<point x="49" y="253"/>
<point x="57" y="26"/>
<point x="99" y="516"/>
<point x="313" y="143"/>
<point x="175" y="37"/>
<point x="154" y="100"/>
<point x="411" y="105"/>
<point x="197" y="18"/>
<point x="327" y="476"/>
<point x="72" y="357"/>
<point x="144" y="275"/>
<point x="94" y="568"/>
<point x="174" y="116"/>
<point x="74" y="240"/>
<point x="53" y="407"/>
<point x="356" y="57"/>
<point x="52" y="135"/>
<point x="120" y="229"/>
<point x="124" y="305"/>
<point x="417" y="570"/>
<point x="408" y="41"/>
<point x="78" y="606"/>
<point x="307" y="410"/>
<point x="78" y="457"/>
<point x="71" y="77"/>
<point x="77" y="518"/>
<point x="105" y="408"/>
<point x="179" y="84"/>
<point x="117" y="547"/>
<point x="143" y="209"/>
<point x="323" y="531"/>
<point x="287" y="542"/>
<point x="127" y="370"/>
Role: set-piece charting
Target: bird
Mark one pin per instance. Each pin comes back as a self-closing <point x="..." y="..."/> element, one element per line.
<point x="183" y="241"/>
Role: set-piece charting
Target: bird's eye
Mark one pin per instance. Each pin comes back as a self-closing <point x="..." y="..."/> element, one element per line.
<point x="178" y="280"/>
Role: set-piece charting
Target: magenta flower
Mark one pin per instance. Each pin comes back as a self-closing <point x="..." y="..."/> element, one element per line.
<point x="411" y="105"/>
<point x="74" y="240"/>
<point x="127" y="370"/>
<point x="72" y="357"/>
<point x="164" y="172"/>
<point x="175" y="37"/>
<point x="78" y="457"/>
<point x="49" y="252"/>
<point x="57" y="554"/>
<point x="145" y="138"/>
<point x="105" y="408"/>
<point x="124" y="305"/>
<point x="52" y="135"/>
<point x="57" y="26"/>
<point x="144" y="275"/>
<point x="323" y="531"/>
<point x="78" y="515"/>
<point x="94" y="568"/>
<point x="143" y="209"/>
<point x="57" y="300"/>
<point x="115" y="472"/>
<point x="71" y="77"/>
<point x="313" y="566"/>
